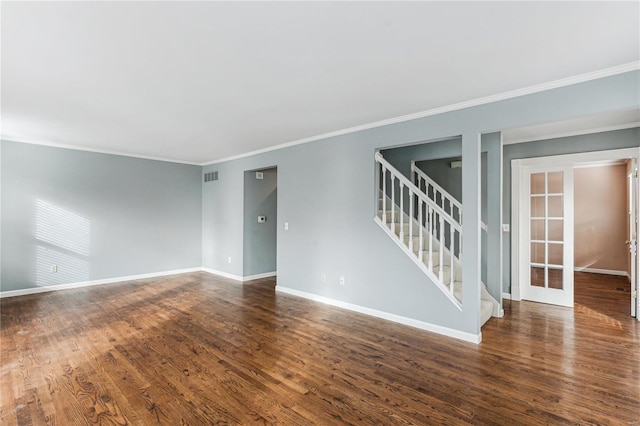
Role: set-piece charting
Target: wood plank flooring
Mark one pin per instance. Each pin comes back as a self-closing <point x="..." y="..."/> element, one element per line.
<point x="201" y="350"/>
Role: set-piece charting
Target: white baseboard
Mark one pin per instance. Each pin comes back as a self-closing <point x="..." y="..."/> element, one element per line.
<point x="238" y="277"/>
<point x="258" y="276"/>
<point x="34" y="290"/>
<point x="222" y="274"/>
<point x="506" y="296"/>
<point x="468" y="337"/>
<point x="601" y="271"/>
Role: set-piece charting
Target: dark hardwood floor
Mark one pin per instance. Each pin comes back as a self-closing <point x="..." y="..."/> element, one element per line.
<point x="197" y="349"/>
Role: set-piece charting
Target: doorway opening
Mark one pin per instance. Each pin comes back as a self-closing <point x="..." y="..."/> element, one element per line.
<point x="572" y="214"/>
<point x="260" y="223"/>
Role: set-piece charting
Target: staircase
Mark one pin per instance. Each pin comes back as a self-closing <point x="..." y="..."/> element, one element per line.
<point x="426" y="223"/>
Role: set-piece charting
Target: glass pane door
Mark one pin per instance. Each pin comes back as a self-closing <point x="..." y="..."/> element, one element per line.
<point x="546" y="227"/>
<point x="548" y="197"/>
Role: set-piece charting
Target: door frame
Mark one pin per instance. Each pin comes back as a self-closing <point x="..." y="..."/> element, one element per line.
<point x="518" y="169"/>
<point x="634" y="211"/>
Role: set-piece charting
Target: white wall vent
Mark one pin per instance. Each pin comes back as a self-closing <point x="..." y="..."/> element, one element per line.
<point x="211" y="176"/>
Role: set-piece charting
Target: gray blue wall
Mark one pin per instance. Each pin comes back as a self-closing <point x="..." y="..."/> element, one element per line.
<point x="327" y="196"/>
<point x="450" y="179"/>
<point x="618" y="139"/>
<point x="259" y="239"/>
<point x="102" y="216"/>
<point x="95" y="216"/>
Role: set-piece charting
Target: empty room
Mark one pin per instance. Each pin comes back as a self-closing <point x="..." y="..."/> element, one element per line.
<point x="252" y="213"/>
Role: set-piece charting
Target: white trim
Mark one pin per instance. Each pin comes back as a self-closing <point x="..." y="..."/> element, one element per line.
<point x="222" y="274"/>
<point x="607" y="72"/>
<point x="519" y="165"/>
<point x="605" y="163"/>
<point x="238" y="277"/>
<point x="600" y="271"/>
<point x="581" y="78"/>
<point x="34" y="290"/>
<point x="515" y="229"/>
<point x="420" y="264"/>
<point x="506" y="296"/>
<point x="501" y="215"/>
<point x="95" y="150"/>
<point x="574" y="133"/>
<point x="579" y="157"/>
<point x="258" y="276"/>
<point x="450" y="332"/>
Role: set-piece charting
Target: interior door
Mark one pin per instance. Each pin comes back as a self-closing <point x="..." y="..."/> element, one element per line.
<point x="547" y="227"/>
<point x="633" y="237"/>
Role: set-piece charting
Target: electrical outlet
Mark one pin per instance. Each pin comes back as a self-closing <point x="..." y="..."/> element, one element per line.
<point x="341" y="280"/>
<point x="505" y="227"/>
<point x="54" y="269"/>
<point x="323" y="277"/>
<point x="229" y="259"/>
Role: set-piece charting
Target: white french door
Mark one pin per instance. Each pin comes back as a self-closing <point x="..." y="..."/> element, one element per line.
<point x="546" y="226"/>
<point x="634" y="197"/>
<point x="542" y="206"/>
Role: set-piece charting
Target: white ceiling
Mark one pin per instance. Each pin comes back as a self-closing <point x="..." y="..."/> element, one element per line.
<point x="201" y="81"/>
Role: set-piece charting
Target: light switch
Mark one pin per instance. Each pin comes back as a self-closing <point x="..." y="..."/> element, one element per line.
<point x="286" y="226"/>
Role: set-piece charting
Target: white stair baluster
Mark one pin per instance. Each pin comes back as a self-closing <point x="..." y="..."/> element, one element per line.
<point x="411" y="202"/>
<point x="421" y="227"/>
<point x="451" y="252"/>
<point x="401" y="212"/>
<point x="393" y="204"/>
<point x="413" y="172"/>
<point x="437" y="210"/>
<point x="384" y="194"/>
<point x="441" y="239"/>
<point x="431" y="228"/>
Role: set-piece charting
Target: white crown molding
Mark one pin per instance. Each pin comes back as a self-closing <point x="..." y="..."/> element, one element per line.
<point x="97" y="151"/>
<point x="34" y="290"/>
<point x="434" y="328"/>
<point x="607" y="72"/>
<point x="574" y="133"/>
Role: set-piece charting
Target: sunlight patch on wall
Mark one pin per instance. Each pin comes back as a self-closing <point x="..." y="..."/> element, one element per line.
<point x="70" y="269"/>
<point x="63" y="245"/>
<point x="62" y="228"/>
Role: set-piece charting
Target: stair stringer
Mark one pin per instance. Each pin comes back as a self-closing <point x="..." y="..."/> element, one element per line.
<point x="419" y="263"/>
<point x="485" y="295"/>
<point x="457" y="272"/>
